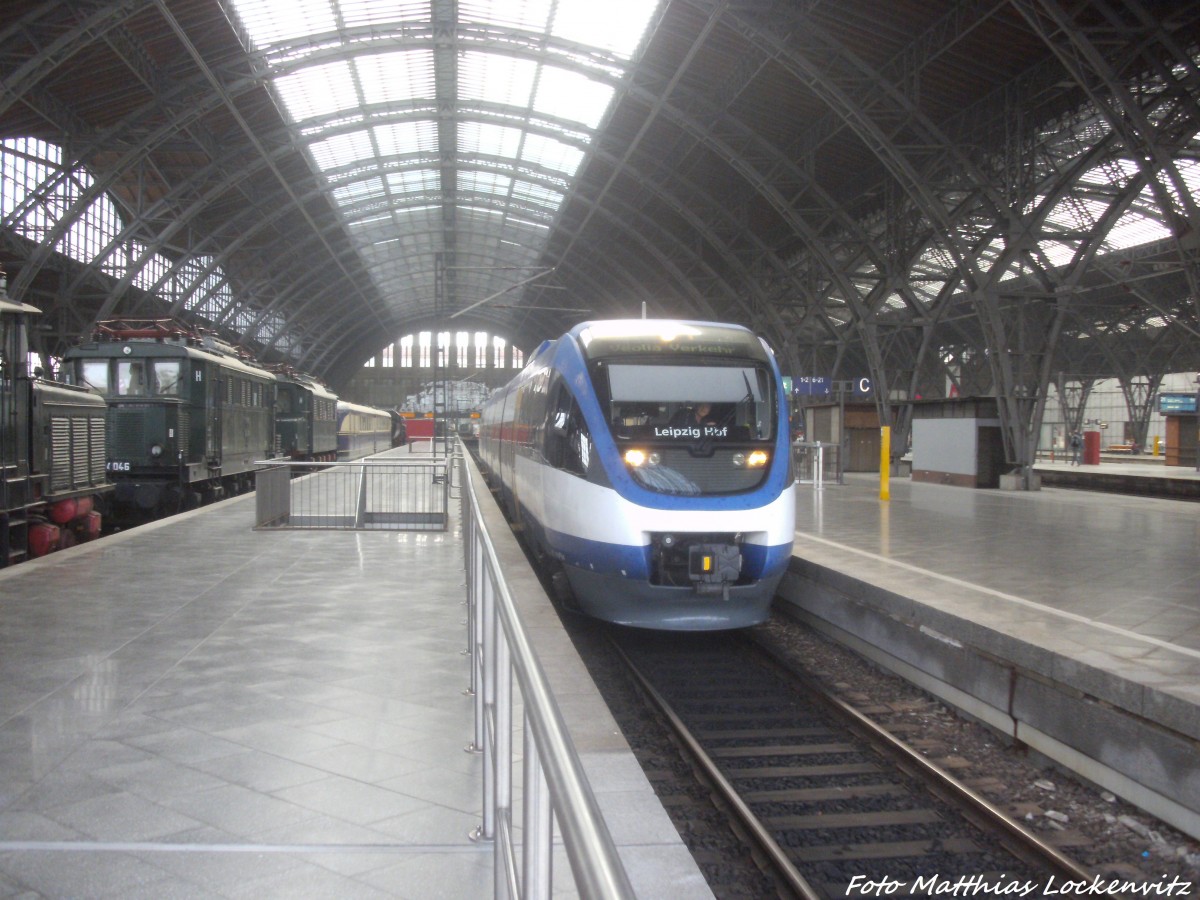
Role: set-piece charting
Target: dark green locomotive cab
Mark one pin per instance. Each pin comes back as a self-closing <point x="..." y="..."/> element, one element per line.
<point x="305" y="418"/>
<point x="186" y="420"/>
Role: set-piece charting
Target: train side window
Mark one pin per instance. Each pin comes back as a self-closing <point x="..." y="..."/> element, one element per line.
<point x="579" y="443"/>
<point x="568" y="443"/>
<point x="557" y="425"/>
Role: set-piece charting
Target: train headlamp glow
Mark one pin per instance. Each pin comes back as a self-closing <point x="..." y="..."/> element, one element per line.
<point x="156" y="451"/>
<point x="637" y="458"/>
<point x="756" y="459"/>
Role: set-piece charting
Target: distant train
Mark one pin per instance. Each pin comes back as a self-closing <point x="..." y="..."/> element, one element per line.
<point x="364" y="430"/>
<point x="648" y="461"/>
<point x="52" y="440"/>
<point x="189" y="416"/>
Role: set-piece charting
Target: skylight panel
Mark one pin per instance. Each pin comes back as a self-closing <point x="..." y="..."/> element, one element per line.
<point x="551" y="154"/>
<point x="614" y="25"/>
<point x="342" y="149"/>
<point x="267" y="22"/>
<point x="424" y="181"/>
<point x="529" y="15"/>
<point x="358" y="191"/>
<point x="536" y="193"/>
<point x="572" y="96"/>
<point x="484" y="183"/>
<point x="396" y="77"/>
<point x="478" y="138"/>
<point x="1133" y="230"/>
<point x="317" y="91"/>
<point x="494" y="78"/>
<point x="356" y="13"/>
<point x="407" y="138"/>
<point x="1057" y="254"/>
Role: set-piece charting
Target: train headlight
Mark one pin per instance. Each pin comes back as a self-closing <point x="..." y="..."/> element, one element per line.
<point x="156" y="451"/>
<point x="756" y="459"/>
<point x="635" y="458"/>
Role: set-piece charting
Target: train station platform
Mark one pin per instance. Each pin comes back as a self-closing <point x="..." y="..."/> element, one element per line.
<point x="194" y="708"/>
<point x="1142" y="475"/>
<point x="1067" y="619"/>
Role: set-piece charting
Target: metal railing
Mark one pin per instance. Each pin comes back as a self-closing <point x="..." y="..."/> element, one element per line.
<point x="378" y="493"/>
<point x="815" y="462"/>
<point x="552" y="774"/>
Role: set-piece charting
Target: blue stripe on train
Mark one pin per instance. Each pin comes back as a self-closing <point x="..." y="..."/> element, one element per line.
<point x="758" y="561"/>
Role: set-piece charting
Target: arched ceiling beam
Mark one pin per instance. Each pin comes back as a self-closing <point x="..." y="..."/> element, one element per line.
<point x="1152" y="142"/>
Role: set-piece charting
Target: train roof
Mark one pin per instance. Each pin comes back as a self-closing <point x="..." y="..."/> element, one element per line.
<point x="347" y="406"/>
<point x="164" y="349"/>
<point x="308" y="382"/>
<point x="638" y="337"/>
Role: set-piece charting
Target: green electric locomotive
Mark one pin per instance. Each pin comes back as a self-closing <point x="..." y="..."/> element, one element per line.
<point x="187" y="416"/>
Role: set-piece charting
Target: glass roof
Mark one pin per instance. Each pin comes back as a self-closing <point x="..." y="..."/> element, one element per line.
<point x="466" y="147"/>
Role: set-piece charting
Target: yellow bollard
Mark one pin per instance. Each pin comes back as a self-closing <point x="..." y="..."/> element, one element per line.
<point x="885" y="461"/>
<point x="1156" y="440"/>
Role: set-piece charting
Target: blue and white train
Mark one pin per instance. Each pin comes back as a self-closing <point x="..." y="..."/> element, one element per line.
<point x="648" y="460"/>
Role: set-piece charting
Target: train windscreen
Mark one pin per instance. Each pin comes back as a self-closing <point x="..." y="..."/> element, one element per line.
<point x="687" y="403"/>
<point x="134" y="377"/>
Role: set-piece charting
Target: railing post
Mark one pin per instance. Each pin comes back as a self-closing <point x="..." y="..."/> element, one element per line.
<point x="486" y="700"/>
<point x="537" y="820"/>
<point x="360" y="512"/>
<point x="503" y="782"/>
<point x="475" y="638"/>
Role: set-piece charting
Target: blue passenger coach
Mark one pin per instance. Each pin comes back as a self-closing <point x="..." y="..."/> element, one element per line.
<point x="649" y="462"/>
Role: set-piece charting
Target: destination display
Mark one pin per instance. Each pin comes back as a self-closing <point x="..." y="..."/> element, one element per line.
<point x="1176" y="403"/>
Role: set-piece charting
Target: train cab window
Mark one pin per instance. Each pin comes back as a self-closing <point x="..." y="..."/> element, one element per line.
<point x="131" y="378"/>
<point x="94" y="374"/>
<point x="166" y="377"/>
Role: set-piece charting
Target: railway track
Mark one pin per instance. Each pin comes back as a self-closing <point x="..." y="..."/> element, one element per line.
<point x="834" y="805"/>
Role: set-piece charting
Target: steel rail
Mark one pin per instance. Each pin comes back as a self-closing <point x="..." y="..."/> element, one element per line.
<point x="784" y="869"/>
<point x="1019" y="841"/>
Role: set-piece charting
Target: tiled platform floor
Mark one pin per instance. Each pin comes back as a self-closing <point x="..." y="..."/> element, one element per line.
<point x="193" y="709"/>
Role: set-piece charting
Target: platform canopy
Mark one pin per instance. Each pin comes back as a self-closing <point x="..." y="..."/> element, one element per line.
<point x="998" y="195"/>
